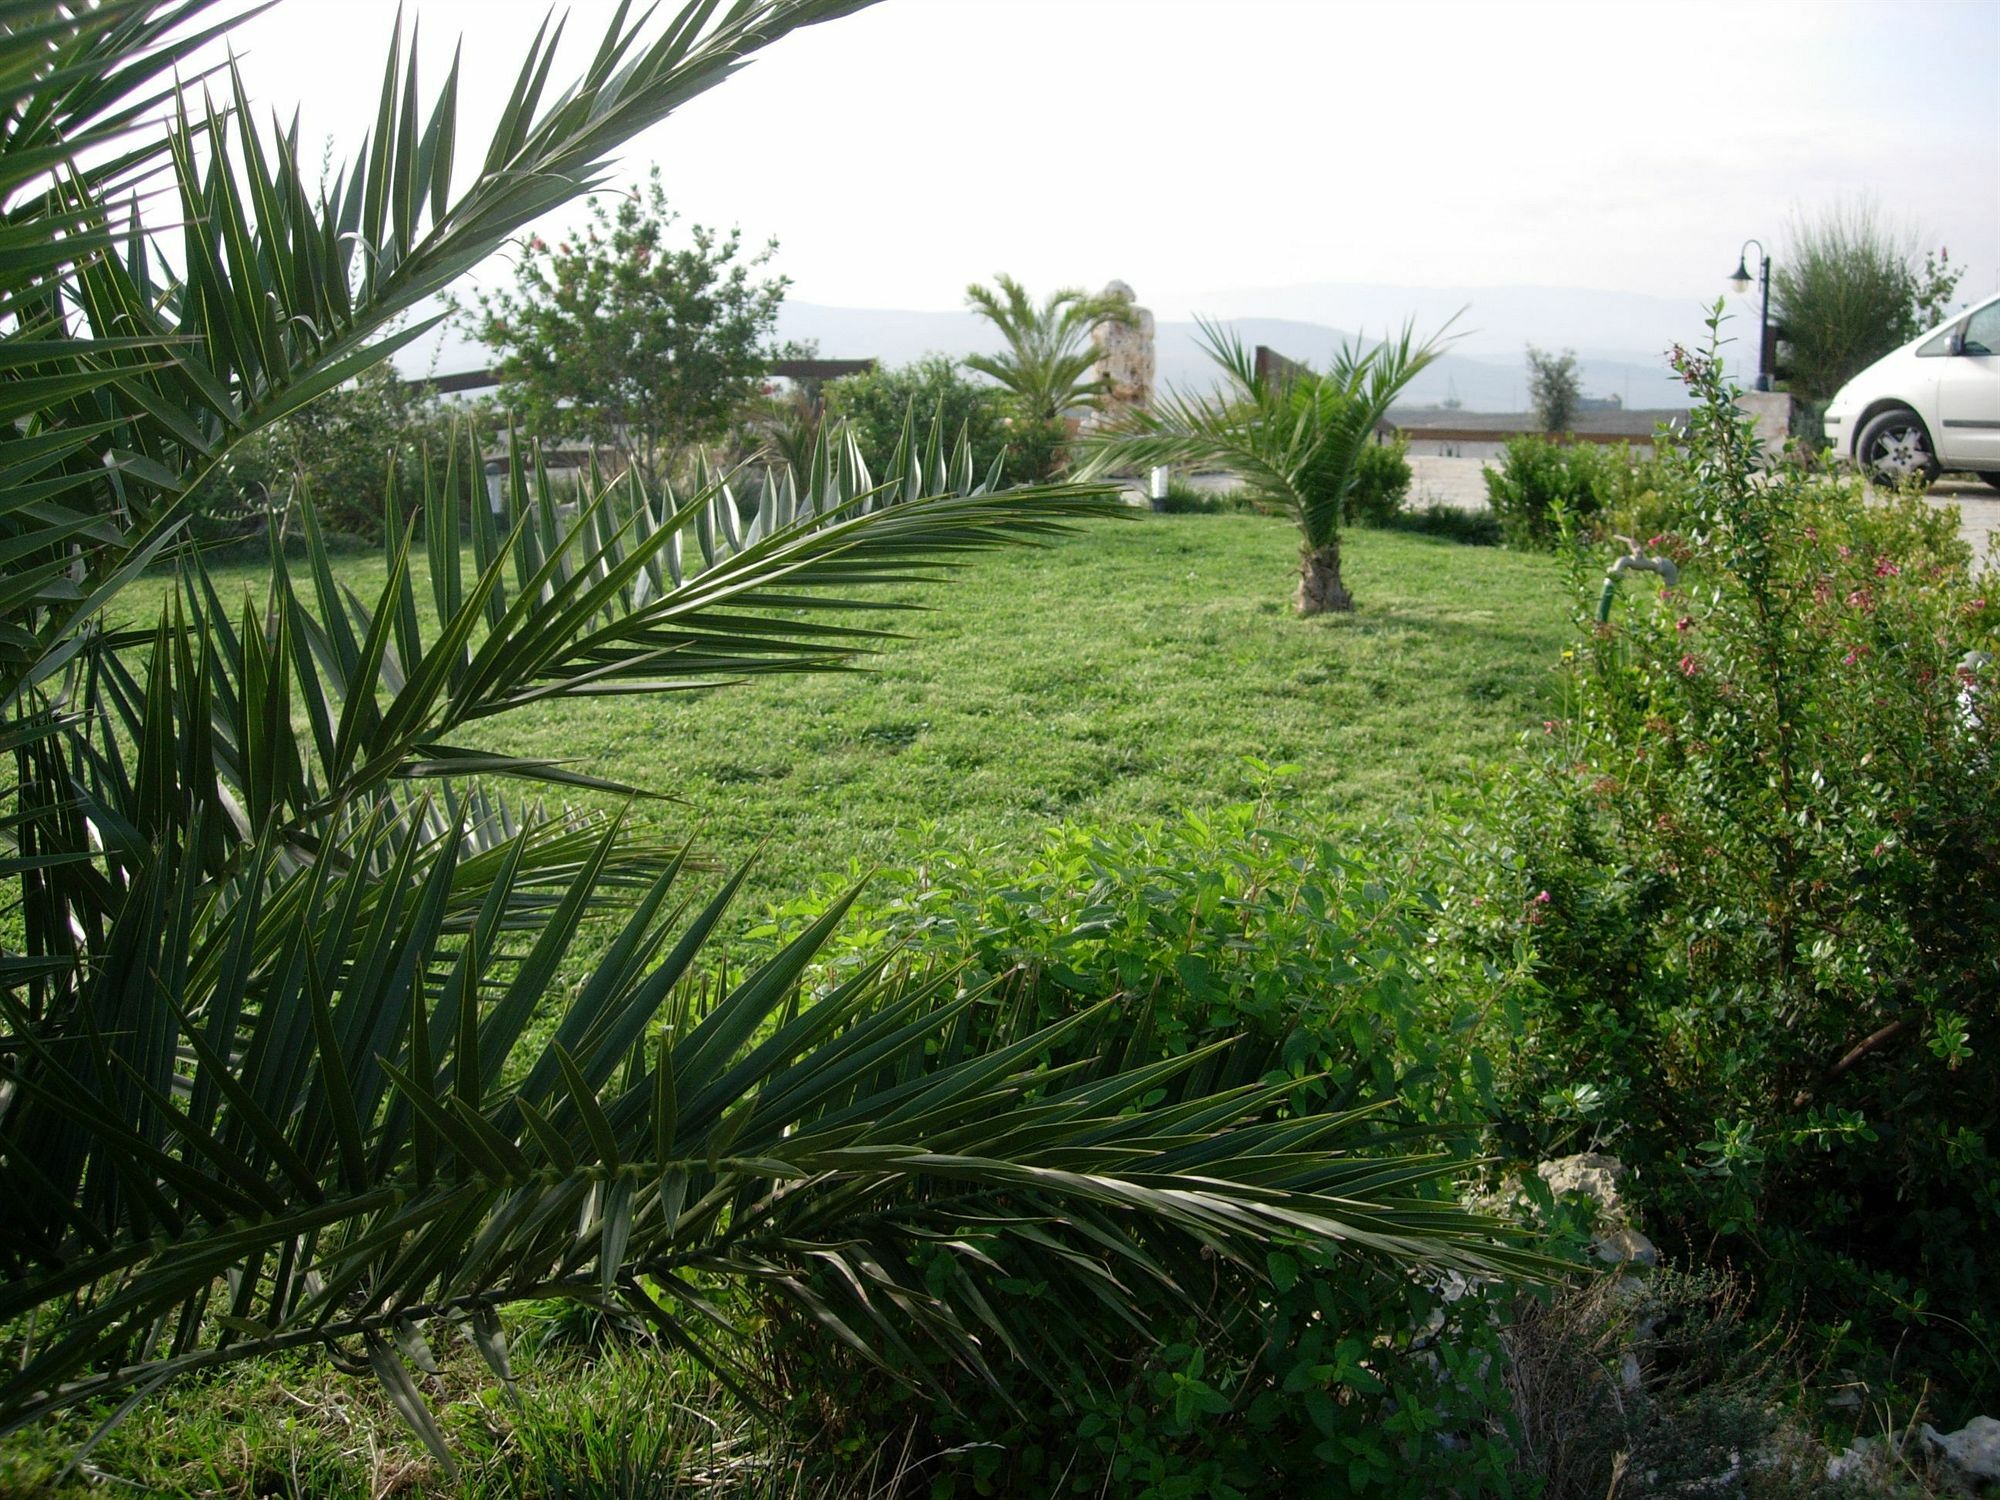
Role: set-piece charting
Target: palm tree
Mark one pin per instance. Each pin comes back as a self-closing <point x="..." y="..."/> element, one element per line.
<point x="1046" y="367"/>
<point x="1293" y="439"/>
<point x="294" y="1052"/>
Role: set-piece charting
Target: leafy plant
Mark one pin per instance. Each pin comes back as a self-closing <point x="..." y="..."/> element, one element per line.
<point x="1047" y="360"/>
<point x="354" y="450"/>
<point x="878" y="406"/>
<point x="1543" y="487"/>
<point x="1758" y="867"/>
<point x="637" y="343"/>
<point x="1313" y="952"/>
<point x="296" y="1056"/>
<point x="1297" y="445"/>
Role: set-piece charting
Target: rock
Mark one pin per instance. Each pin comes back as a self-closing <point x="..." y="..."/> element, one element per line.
<point x="1853" y="1461"/>
<point x="1594" y="1175"/>
<point x="1621" y="1245"/>
<point x="1125" y="358"/>
<point x="1973" y="1450"/>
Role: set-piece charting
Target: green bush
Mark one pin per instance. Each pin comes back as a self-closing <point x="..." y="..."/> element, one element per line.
<point x="1759" y="867"/>
<point x="345" y="447"/>
<point x="1311" y="958"/>
<point x="876" y="406"/>
<point x="1473" y="528"/>
<point x="1381" y="482"/>
<point x="1543" y="487"/>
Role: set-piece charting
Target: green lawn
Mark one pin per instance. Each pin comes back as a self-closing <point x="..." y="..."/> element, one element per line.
<point x="1123" y="673"/>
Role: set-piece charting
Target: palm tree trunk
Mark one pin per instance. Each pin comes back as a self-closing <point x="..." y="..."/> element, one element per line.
<point x="1320" y="588"/>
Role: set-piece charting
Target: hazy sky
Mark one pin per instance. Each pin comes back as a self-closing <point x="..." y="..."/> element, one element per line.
<point x="1199" y="148"/>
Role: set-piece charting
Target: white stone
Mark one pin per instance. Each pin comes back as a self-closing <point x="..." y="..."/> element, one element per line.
<point x="1853" y="1461"/>
<point x="1622" y="1245"/>
<point x="1125" y="356"/>
<point x="1974" y="1450"/>
<point x="1594" y="1175"/>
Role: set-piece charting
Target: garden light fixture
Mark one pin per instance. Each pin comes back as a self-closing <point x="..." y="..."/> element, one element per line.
<point x="1740" y="279"/>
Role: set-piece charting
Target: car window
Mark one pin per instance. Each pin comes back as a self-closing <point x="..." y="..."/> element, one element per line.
<point x="1982" y="331"/>
<point x="1944" y="341"/>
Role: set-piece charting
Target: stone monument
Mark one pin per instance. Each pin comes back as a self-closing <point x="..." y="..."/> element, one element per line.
<point x="1124" y="359"/>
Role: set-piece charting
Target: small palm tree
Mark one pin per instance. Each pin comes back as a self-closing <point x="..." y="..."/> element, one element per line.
<point x="1046" y="369"/>
<point x="1294" y="439"/>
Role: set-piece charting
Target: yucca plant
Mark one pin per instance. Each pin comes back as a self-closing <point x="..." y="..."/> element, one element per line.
<point x="1293" y="438"/>
<point x="316" y="1033"/>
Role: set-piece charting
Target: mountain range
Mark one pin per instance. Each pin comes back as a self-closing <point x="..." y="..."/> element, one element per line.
<point x="1620" y="338"/>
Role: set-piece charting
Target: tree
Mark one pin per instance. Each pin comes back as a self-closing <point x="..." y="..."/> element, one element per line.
<point x="1047" y="362"/>
<point x="635" y="343"/>
<point x="1295" y="442"/>
<point x="1847" y="290"/>
<point x="280" y="1068"/>
<point x="1553" y="388"/>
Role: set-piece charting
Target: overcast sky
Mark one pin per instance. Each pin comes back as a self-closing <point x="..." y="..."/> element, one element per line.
<point x="1200" y="149"/>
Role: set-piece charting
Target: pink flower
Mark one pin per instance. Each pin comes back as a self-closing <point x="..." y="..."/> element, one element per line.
<point x="538" y="244"/>
<point x="1846" y="551"/>
<point x="1886" y="569"/>
<point x="1690" y="667"/>
<point x="1684" y="624"/>
<point x="1541" y="898"/>
<point x="1812" y="533"/>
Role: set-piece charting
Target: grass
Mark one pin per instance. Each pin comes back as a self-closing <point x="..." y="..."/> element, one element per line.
<point x="1125" y="673"/>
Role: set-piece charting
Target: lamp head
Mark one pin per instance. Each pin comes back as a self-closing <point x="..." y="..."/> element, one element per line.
<point x="1740" y="277"/>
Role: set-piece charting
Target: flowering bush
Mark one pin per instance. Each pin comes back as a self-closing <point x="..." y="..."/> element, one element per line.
<point x="1759" y="864"/>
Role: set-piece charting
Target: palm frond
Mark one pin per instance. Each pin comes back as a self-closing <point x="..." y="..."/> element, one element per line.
<point x="1273" y="434"/>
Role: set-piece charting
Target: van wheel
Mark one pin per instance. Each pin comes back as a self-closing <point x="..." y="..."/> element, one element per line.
<point x="1894" y="449"/>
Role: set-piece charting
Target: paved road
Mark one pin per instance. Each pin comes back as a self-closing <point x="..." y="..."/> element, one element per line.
<point x="1457" y="481"/>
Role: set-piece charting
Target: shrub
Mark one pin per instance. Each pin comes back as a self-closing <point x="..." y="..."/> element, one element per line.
<point x="878" y="404"/>
<point x="1759" y="866"/>
<point x="1474" y="528"/>
<point x="1315" y="953"/>
<point x="1187" y="499"/>
<point x="1543" y="487"/>
<point x="345" y="447"/>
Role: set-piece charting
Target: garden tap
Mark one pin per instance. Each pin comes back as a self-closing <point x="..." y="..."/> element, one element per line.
<point x="1633" y="561"/>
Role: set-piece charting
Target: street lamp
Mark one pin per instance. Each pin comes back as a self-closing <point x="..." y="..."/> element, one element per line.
<point x="1740" y="279"/>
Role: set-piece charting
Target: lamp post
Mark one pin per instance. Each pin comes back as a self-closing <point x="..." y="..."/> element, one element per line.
<point x="1740" y="279"/>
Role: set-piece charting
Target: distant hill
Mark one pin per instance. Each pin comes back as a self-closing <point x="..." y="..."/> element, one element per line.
<point x="1486" y="383"/>
<point x="1482" y="372"/>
